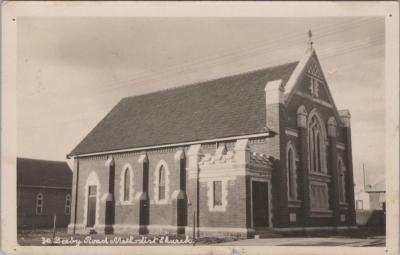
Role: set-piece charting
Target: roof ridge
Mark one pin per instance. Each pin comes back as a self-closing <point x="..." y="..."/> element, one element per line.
<point x="197" y="83"/>
<point x="45" y="160"/>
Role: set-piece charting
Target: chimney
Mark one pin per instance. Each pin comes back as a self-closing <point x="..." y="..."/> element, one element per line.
<point x="273" y="97"/>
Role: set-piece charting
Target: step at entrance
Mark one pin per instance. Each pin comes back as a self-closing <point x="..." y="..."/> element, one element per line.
<point x="266" y="233"/>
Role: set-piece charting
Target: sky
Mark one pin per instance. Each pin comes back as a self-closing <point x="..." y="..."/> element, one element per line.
<point x="72" y="70"/>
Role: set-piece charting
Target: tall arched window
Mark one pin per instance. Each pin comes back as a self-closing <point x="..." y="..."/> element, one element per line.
<point x="316" y="145"/>
<point x="342" y="180"/>
<point x="291" y="166"/>
<point x="126" y="191"/>
<point x="127" y="184"/>
<point x="67" y="204"/>
<point x="39" y="203"/>
<point x="161" y="183"/>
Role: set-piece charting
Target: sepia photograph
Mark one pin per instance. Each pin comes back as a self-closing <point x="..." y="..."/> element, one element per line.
<point x="200" y="131"/>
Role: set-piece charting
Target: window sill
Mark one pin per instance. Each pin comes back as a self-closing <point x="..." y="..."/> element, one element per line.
<point x="321" y="213"/>
<point x="160" y="202"/>
<point x="319" y="174"/>
<point x="294" y="203"/>
<point x="219" y="208"/>
<point x="344" y="205"/>
<point x="319" y="177"/>
<point x="321" y="210"/>
<point x="126" y="203"/>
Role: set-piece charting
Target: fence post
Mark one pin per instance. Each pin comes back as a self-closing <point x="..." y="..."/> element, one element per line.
<point x="54" y="226"/>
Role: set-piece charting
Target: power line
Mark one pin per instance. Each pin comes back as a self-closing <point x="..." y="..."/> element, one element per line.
<point x="89" y="115"/>
<point x="322" y="54"/>
<point x="209" y="60"/>
<point x="271" y="45"/>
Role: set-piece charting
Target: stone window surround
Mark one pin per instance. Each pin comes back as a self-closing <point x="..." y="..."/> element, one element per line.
<point x="157" y="181"/>
<point x="126" y="167"/>
<point x="210" y="195"/>
<point x="324" y="141"/>
<point x="290" y="146"/>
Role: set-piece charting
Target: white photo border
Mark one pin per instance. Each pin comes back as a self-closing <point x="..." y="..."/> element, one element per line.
<point x="13" y="10"/>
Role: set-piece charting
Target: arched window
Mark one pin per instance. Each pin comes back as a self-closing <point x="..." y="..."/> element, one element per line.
<point x="126" y="184"/>
<point x="39" y="203"/>
<point x="291" y="166"/>
<point x="161" y="183"/>
<point x="126" y="191"/>
<point x="342" y="180"/>
<point x="316" y="145"/>
<point x="67" y="204"/>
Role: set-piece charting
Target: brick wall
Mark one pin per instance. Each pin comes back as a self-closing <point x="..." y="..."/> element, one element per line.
<point x="53" y="203"/>
<point x="290" y="121"/>
<point x="235" y="214"/>
<point x="160" y="214"/>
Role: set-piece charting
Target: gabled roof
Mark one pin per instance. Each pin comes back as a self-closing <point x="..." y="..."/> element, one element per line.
<point x="37" y="172"/>
<point x="225" y="107"/>
<point x="298" y="73"/>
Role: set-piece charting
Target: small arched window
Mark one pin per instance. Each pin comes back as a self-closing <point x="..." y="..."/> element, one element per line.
<point x="68" y="204"/>
<point x="127" y="184"/>
<point x="39" y="203"/>
<point x="161" y="183"/>
<point x="342" y="180"/>
<point x="291" y="166"/>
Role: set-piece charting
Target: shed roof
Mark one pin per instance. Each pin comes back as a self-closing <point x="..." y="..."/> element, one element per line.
<point x="36" y="172"/>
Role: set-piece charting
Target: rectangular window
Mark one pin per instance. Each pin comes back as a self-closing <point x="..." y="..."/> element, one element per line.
<point x="359" y="205"/>
<point x="217" y="193"/>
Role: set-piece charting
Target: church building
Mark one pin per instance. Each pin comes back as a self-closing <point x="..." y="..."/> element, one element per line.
<point x="265" y="150"/>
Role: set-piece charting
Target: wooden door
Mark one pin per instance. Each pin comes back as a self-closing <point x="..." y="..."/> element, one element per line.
<point x="91" y="214"/>
<point x="260" y="204"/>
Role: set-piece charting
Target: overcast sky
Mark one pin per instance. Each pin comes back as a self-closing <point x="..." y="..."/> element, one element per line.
<point x="72" y="71"/>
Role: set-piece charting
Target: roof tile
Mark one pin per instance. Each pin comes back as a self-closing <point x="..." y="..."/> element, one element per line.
<point x="43" y="173"/>
<point x="224" y="107"/>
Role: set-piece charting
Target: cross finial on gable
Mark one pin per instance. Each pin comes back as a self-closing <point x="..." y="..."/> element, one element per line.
<point x="310" y="41"/>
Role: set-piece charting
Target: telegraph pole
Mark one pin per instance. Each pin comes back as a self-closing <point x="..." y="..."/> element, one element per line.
<point x="364" y="176"/>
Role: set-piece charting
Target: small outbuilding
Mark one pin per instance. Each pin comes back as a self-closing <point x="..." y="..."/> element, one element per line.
<point x="43" y="191"/>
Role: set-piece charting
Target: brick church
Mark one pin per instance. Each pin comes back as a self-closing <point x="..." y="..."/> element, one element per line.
<point x="262" y="150"/>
